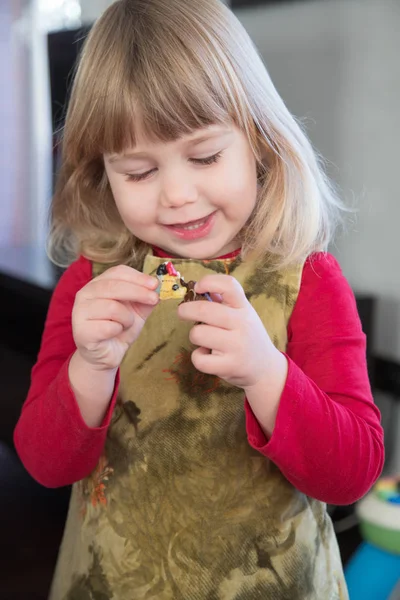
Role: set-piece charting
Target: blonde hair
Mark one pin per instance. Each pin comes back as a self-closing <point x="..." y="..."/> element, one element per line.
<point x="170" y="67"/>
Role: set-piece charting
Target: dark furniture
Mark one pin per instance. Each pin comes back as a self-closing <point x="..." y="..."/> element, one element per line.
<point x="31" y="516"/>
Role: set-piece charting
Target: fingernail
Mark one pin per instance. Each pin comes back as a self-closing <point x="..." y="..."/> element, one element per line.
<point x="152" y="282"/>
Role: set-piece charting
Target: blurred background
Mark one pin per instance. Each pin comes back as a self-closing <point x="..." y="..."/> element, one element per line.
<point x="336" y="65"/>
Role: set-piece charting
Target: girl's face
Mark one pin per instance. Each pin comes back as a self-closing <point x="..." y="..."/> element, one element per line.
<point x="190" y="197"/>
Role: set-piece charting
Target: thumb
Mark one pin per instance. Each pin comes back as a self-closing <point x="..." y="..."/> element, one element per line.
<point x="143" y="310"/>
<point x="142" y="313"/>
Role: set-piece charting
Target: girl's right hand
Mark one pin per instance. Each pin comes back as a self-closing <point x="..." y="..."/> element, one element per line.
<point x="109" y="313"/>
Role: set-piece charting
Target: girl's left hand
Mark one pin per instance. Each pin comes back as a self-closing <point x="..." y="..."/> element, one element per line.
<point x="233" y="344"/>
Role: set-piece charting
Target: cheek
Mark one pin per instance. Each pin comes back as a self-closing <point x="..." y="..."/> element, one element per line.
<point x="133" y="208"/>
<point x="239" y="196"/>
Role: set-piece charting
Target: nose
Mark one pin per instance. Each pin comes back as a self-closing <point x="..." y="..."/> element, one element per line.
<point x="177" y="191"/>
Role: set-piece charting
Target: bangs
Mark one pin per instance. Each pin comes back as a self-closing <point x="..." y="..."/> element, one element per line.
<point x="153" y="83"/>
<point x="162" y="108"/>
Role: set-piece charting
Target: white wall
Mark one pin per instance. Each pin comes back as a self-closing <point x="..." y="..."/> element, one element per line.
<point x="7" y="123"/>
<point x="25" y="128"/>
<point x="337" y="64"/>
<point x="92" y="9"/>
<point x="14" y="129"/>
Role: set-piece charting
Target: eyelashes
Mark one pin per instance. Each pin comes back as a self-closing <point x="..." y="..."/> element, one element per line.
<point x="139" y="176"/>
<point x="209" y="160"/>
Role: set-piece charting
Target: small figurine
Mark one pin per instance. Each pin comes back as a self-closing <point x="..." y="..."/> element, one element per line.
<point x="191" y="295"/>
<point x="170" y="282"/>
<point x="172" y="285"/>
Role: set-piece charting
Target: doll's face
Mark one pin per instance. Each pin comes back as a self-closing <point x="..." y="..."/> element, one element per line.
<point x="192" y="196"/>
<point x="171" y="288"/>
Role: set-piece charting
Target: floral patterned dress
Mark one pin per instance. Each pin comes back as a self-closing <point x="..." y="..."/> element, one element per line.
<point x="180" y="507"/>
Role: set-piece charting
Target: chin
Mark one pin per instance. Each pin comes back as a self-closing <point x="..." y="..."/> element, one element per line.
<point x="208" y="252"/>
<point x="200" y="250"/>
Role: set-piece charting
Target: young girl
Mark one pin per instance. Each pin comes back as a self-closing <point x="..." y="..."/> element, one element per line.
<point x="203" y="439"/>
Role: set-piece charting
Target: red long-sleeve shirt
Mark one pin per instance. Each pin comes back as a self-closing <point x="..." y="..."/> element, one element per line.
<point x="327" y="441"/>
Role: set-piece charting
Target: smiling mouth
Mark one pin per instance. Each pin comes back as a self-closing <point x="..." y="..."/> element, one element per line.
<point x="193" y="230"/>
<point x="190" y="225"/>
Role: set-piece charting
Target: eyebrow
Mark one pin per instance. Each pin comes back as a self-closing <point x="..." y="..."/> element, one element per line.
<point x="196" y="141"/>
<point x="119" y="157"/>
<point x="207" y="136"/>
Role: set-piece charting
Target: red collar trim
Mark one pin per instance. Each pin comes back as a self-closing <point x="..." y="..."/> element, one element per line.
<point x="162" y="254"/>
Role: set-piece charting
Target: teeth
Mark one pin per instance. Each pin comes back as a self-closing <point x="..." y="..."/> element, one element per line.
<point x="190" y="227"/>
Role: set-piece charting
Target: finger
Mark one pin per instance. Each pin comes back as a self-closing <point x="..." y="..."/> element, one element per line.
<point x="227" y="286"/>
<point x="216" y="298"/>
<point x="116" y="289"/>
<point x="212" y="338"/>
<point x="208" y="363"/>
<point x="211" y="313"/>
<point x="99" y="331"/>
<point x="130" y="275"/>
<point x="110" y="310"/>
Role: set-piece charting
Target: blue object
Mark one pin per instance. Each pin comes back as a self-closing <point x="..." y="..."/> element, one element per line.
<point x="371" y="573"/>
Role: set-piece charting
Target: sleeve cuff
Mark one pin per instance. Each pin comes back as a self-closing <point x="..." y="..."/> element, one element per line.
<point x="67" y="398"/>
<point x="274" y="446"/>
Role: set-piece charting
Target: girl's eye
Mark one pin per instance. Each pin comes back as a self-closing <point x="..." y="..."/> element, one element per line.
<point x="139" y="176"/>
<point x="207" y="161"/>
